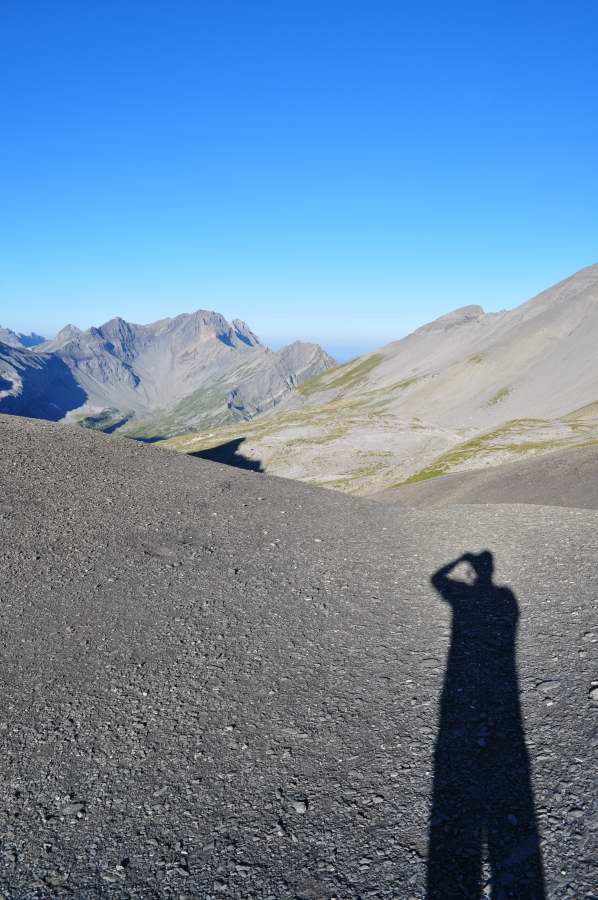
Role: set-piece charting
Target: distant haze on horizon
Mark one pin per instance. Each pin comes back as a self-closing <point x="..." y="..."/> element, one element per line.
<point x="341" y="347"/>
<point x="339" y="172"/>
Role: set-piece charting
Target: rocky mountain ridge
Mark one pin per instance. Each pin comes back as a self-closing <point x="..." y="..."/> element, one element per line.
<point x="159" y="378"/>
<point x="18" y="339"/>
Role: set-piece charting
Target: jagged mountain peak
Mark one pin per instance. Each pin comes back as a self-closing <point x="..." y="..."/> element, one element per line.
<point x="116" y="324"/>
<point x="18" y="339"/>
<point x="66" y="334"/>
<point x="244" y="332"/>
<point x="31" y="340"/>
<point x="8" y="337"/>
<point x="176" y="371"/>
<point x="186" y="326"/>
<point x="69" y="331"/>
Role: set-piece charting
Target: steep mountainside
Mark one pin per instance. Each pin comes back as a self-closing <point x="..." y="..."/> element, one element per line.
<point x="36" y="384"/>
<point x="219" y="684"/>
<point x="469" y="388"/>
<point x="175" y="374"/>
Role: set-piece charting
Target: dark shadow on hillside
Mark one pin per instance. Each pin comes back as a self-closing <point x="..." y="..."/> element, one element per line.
<point x="55" y="395"/>
<point x="483" y="804"/>
<point x="97" y="423"/>
<point x="110" y="429"/>
<point x="31" y="340"/>
<point x="243" y="338"/>
<point x="229" y="455"/>
<point x="225" y="339"/>
<point x="48" y="391"/>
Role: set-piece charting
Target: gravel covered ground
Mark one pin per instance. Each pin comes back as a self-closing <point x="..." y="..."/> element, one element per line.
<point x="217" y="683"/>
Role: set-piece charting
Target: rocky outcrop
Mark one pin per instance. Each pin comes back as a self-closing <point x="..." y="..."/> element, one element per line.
<point x="271" y="383"/>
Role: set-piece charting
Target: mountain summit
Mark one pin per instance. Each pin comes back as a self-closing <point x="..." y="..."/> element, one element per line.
<point x="193" y="370"/>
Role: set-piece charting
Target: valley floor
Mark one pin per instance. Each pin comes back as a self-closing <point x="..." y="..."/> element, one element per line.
<point x="353" y="451"/>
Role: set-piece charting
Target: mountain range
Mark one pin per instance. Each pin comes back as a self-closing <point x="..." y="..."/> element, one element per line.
<point x="468" y="390"/>
<point x="195" y="370"/>
<point x="250" y="687"/>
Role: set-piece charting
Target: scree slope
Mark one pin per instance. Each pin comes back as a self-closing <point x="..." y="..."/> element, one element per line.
<point x="217" y="683"/>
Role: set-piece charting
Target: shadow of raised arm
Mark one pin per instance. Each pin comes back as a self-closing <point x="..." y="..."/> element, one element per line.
<point x="448" y="588"/>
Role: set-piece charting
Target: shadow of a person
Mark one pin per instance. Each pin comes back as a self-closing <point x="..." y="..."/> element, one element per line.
<point x="482" y="794"/>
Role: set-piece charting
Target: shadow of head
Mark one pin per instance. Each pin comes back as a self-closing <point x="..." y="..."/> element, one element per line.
<point x="229" y="455"/>
<point x="470" y="575"/>
<point x="482" y="564"/>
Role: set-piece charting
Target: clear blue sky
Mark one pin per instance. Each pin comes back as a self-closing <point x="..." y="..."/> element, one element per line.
<point x="341" y="171"/>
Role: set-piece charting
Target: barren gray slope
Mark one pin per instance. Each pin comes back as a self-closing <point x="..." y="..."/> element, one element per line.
<point x="217" y="683"/>
<point x="565" y="478"/>
<point x="485" y="368"/>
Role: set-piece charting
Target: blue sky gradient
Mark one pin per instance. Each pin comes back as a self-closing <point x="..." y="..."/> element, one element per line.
<point x="337" y="171"/>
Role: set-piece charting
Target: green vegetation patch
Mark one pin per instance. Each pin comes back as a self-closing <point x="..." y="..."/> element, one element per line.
<point x="206" y="408"/>
<point x="484" y="445"/>
<point x="500" y="395"/>
<point x="405" y="383"/>
<point x="588" y="411"/>
<point x="107" y="420"/>
<point x="317" y="383"/>
<point x="346" y="376"/>
<point x="357" y="372"/>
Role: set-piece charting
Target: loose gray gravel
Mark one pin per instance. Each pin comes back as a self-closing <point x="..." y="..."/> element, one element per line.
<point x="220" y="684"/>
